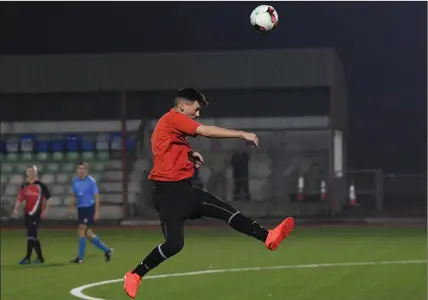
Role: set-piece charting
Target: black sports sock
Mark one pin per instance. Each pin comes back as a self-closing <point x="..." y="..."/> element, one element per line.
<point x="30" y="245"/>
<point x="151" y="261"/>
<point x="248" y="226"/>
<point x="38" y="248"/>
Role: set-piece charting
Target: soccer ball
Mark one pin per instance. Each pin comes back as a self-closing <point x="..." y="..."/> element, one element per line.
<point x="264" y="18"/>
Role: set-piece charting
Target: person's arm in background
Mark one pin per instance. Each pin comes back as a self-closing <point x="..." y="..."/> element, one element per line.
<point x="72" y="204"/>
<point x="96" y="193"/>
<point x="19" y="200"/>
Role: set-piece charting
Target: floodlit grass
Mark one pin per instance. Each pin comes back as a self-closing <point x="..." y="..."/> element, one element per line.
<point x="223" y="248"/>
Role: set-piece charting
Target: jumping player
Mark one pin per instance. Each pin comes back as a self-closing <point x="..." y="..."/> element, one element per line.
<point x="173" y="195"/>
<point x="36" y="196"/>
<point x="86" y="197"/>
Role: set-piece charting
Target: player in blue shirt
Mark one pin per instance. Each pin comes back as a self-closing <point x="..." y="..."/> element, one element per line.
<point x="86" y="197"/>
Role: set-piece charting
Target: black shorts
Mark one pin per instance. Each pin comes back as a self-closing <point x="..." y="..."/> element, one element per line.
<point x="32" y="223"/>
<point x="86" y="215"/>
<point x="181" y="201"/>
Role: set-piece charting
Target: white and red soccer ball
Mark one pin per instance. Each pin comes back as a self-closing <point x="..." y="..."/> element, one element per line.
<point x="264" y="18"/>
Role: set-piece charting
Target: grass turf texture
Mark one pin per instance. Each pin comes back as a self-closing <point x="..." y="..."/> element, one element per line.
<point x="222" y="248"/>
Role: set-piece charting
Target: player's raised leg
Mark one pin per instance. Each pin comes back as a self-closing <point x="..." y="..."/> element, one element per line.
<point x="173" y="231"/>
<point x="212" y="207"/>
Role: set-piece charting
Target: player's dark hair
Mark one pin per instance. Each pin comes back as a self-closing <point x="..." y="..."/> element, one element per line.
<point x="191" y="94"/>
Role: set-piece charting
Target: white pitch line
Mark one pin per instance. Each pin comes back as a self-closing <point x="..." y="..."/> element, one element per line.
<point x="78" y="291"/>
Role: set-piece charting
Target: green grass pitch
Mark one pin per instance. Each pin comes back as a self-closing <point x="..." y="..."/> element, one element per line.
<point x="222" y="248"/>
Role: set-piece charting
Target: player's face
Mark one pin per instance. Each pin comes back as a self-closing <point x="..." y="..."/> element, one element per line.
<point x="82" y="171"/>
<point x="31" y="173"/>
<point x="191" y="109"/>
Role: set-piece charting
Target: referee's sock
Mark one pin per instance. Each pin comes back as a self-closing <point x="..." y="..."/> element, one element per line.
<point x="248" y="226"/>
<point x="97" y="243"/>
<point x="82" y="247"/>
<point x="151" y="261"/>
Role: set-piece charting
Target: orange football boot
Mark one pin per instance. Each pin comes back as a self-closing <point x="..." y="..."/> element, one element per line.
<point x="130" y="284"/>
<point x="279" y="233"/>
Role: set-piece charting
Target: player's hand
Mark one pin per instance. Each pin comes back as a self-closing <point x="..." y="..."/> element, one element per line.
<point x="70" y="212"/>
<point x="198" y="159"/>
<point x="97" y="216"/>
<point x="43" y="215"/>
<point x="15" y="213"/>
<point x="251" y="137"/>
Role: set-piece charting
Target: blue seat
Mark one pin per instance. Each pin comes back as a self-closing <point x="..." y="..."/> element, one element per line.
<point x="73" y="143"/>
<point x="27" y="138"/>
<point x="12" y="144"/>
<point x="57" y="146"/>
<point x="27" y="143"/>
<point x="116" y="141"/>
<point x="130" y="143"/>
<point x="88" y="146"/>
<point x="42" y="146"/>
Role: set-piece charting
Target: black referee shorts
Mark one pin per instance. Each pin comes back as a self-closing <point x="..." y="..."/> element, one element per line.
<point x="32" y="223"/>
<point x="181" y="201"/>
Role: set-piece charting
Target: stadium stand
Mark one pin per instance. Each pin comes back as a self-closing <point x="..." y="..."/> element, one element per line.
<point x="56" y="157"/>
<point x="273" y="168"/>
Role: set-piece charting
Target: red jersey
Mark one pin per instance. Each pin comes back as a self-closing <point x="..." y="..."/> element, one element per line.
<point x="34" y="194"/>
<point x="170" y="147"/>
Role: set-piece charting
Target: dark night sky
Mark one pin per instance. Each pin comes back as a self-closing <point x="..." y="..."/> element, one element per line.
<point x="382" y="46"/>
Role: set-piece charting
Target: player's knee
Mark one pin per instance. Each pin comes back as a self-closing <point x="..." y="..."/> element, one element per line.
<point x="89" y="234"/>
<point x="82" y="230"/>
<point x="31" y="233"/>
<point x="170" y="248"/>
<point x="32" y="236"/>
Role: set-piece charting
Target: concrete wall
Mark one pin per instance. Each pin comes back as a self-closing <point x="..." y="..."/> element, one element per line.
<point x="132" y="125"/>
<point x="168" y="71"/>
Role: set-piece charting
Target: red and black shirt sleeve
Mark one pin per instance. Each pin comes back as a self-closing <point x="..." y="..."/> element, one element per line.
<point x="46" y="193"/>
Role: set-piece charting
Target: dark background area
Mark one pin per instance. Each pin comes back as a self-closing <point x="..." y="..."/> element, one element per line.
<point x="382" y="46"/>
<point x="153" y="104"/>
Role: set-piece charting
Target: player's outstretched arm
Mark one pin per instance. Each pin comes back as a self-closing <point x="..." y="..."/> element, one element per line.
<point x="97" y="206"/>
<point x="223" y="133"/>
<point x="19" y="200"/>
<point x="96" y="193"/>
<point x="71" y="204"/>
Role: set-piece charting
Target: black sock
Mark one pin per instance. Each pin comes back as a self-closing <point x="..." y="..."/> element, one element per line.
<point x="30" y="245"/>
<point x="151" y="261"/>
<point x="38" y="248"/>
<point x="249" y="227"/>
